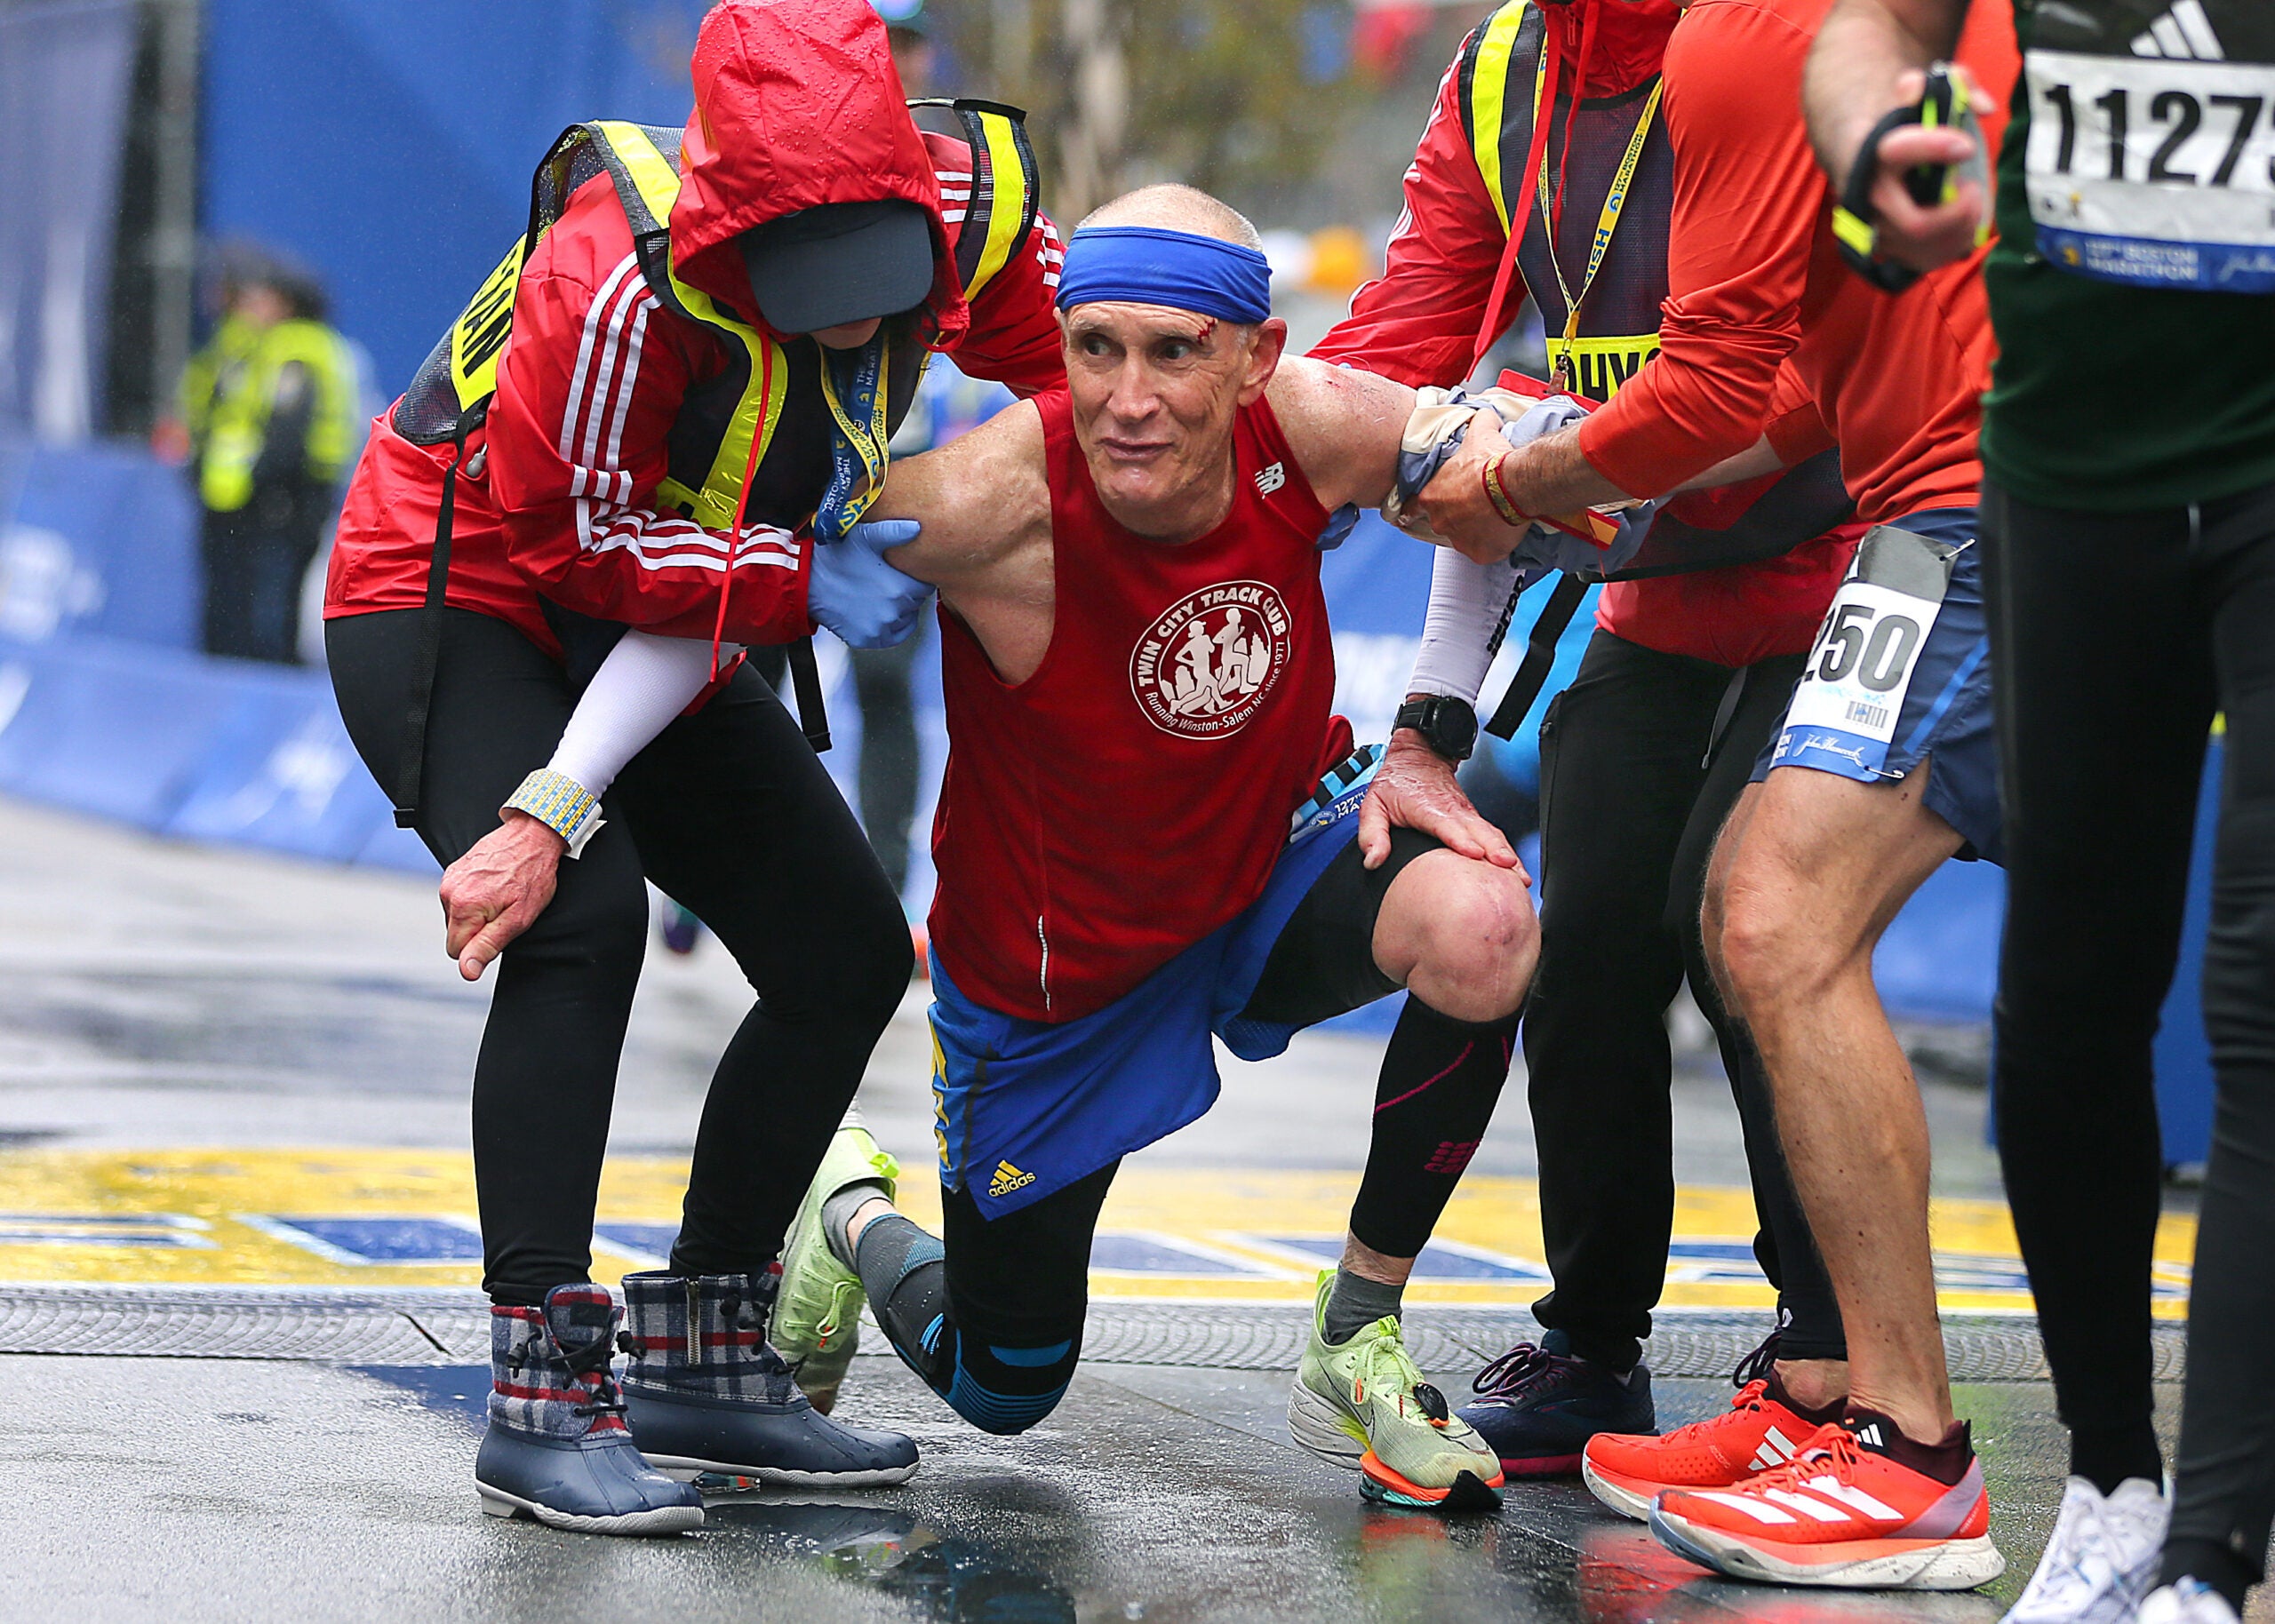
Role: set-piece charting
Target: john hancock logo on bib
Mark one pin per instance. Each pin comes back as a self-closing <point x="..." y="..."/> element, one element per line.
<point x="1208" y="662"/>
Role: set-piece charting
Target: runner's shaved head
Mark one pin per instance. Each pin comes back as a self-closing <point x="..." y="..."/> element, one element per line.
<point x="1171" y="207"/>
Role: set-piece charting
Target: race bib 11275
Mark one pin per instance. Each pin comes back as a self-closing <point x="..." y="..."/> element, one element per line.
<point x="2152" y="159"/>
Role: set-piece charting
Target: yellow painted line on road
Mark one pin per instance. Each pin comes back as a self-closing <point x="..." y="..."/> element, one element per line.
<point x="392" y="1218"/>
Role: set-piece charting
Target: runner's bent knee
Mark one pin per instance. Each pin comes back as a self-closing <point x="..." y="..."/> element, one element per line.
<point x="1461" y="933"/>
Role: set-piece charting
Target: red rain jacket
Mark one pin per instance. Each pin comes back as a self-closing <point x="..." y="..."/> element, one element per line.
<point x="797" y="104"/>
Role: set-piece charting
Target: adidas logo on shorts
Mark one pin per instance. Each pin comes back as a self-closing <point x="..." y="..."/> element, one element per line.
<point x="1008" y="1179"/>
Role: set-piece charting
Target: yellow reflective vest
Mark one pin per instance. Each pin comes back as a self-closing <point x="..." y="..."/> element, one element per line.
<point x="245" y="392"/>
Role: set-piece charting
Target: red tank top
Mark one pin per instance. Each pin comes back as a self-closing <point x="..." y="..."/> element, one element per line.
<point x="1132" y="794"/>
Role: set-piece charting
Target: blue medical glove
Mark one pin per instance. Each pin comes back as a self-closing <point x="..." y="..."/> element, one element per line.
<point x="853" y="592"/>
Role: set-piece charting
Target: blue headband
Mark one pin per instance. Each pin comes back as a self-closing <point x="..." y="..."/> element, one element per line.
<point x="1144" y="265"/>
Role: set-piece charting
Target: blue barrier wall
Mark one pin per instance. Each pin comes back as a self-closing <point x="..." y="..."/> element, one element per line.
<point x="95" y="539"/>
<point x="390" y="147"/>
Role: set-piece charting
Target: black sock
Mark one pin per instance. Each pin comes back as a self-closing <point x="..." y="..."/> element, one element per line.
<point x="2213" y="1564"/>
<point x="1354" y="1303"/>
<point x="2106" y="1456"/>
<point x="1441" y="1079"/>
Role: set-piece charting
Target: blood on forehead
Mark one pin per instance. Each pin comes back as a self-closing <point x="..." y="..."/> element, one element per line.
<point x="1164" y="321"/>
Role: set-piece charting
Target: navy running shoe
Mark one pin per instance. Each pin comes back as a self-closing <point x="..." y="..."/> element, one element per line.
<point x="1538" y="1406"/>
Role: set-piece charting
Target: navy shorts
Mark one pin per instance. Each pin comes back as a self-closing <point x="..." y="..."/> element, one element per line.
<point x="1901" y="674"/>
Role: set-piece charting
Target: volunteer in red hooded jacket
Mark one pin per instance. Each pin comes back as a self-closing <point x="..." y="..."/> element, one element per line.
<point x="1642" y="756"/>
<point x="702" y="345"/>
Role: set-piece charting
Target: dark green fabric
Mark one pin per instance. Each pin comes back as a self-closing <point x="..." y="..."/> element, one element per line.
<point x="2109" y="397"/>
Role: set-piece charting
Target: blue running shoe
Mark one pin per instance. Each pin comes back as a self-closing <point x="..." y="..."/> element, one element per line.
<point x="1538" y="1406"/>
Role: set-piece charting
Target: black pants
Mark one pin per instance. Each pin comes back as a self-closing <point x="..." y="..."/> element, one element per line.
<point x="1636" y="781"/>
<point x="2117" y="636"/>
<point x="996" y="1326"/>
<point x="253" y="563"/>
<point x="729" y="813"/>
<point x="883" y="683"/>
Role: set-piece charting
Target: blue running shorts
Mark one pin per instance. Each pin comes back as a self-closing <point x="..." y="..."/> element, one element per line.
<point x="1900" y="673"/>
<point x="1022" y="1109"/>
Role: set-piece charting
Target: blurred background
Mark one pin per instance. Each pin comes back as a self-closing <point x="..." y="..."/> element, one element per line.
<point x="230" y="229"/>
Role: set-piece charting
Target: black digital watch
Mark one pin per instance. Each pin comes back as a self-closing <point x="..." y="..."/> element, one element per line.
<point x="1448" y="725"/>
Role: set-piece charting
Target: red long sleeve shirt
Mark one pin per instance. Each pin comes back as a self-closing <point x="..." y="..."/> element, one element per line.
<point x="1418" y="324"/>
<point x="1755" y="282"/>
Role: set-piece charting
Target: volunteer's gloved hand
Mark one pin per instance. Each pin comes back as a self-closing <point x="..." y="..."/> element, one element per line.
<point x="853" y="592"/>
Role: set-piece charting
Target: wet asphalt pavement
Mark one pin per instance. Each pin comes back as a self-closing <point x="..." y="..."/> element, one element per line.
<point x="154" y="995"/>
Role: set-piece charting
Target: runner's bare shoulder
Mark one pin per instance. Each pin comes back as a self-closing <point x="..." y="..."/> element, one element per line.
<point x="981" y="497"/>
<point x="1343" y="424"/>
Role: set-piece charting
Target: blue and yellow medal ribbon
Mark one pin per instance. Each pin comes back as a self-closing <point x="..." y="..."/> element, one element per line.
<point x="855" y="387"/>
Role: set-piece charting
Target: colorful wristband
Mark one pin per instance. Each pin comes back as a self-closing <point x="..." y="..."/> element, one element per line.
<point x="560" y="804"/>
<point x="1498" y="494"/>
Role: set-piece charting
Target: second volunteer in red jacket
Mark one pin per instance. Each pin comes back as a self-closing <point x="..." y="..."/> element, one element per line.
<point x="703" y="341"/>
<point x="1643" y="754"/>
<point x="1884" y="768"/>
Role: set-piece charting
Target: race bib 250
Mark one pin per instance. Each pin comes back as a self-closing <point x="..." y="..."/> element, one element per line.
<point x="1844" y="714"/>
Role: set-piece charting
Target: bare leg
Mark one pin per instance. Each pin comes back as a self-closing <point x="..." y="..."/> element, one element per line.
<point x="1813" y="1383"/>
<point x="1362" y="1259"/>
<point x="1811" y="870"/>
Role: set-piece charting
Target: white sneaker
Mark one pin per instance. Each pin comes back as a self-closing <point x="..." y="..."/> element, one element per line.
<point x="2102" y="1559"/>
<point x="2190" y="1601"/>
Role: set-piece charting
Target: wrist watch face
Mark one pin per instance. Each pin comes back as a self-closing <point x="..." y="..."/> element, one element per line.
<point x="1449" y="726"/>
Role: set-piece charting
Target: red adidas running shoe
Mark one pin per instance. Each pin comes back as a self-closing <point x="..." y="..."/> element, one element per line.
<point x="1759" y="1431"/>
<point x="1842" y="1512"/>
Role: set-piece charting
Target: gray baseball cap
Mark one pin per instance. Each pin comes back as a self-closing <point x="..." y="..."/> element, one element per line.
<point x="836" y="263"/>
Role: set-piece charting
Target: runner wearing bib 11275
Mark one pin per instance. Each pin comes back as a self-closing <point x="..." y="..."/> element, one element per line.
<point x="2131" y="553"/>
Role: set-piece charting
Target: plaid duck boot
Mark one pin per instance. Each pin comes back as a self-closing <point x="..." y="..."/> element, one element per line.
<point x="558" y="1448"/>
<point x="708" y="1396"/>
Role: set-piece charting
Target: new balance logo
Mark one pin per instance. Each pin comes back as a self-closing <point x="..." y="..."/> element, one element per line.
<point x="1269" y="479"/>
<point x="1775" y="1450"/>
<point x="2184" y="32"/>
<point x="1008" y="1179"/>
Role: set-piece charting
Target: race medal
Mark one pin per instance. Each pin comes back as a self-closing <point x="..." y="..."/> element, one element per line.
<point x="1844" y="711"/>
<point x="2152" y="154"/>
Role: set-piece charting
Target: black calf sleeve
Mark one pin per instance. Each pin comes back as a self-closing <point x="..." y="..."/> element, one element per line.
<point x="1441" y="1079"/>
<point x="903" y="1275"/>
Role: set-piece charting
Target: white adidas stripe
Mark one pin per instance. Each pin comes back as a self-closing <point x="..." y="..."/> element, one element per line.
<point x="1848" y="1495"/>
<point x="1752" y="1508"/>
<point x="1806" y="1507"/>
<point x="2184" y="32"/>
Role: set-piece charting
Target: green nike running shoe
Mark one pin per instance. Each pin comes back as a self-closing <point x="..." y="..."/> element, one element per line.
<point x="1363" y="1404"/>
<point x="818" y="1312"/>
